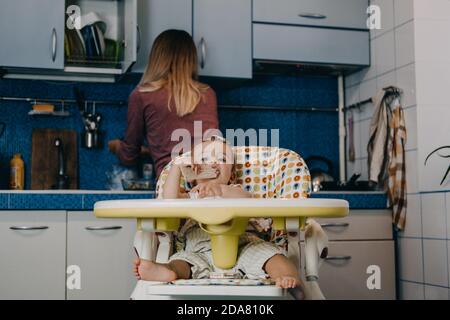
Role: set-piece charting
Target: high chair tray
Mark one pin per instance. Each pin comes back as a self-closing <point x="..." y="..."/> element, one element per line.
<point x="223" y="209"/>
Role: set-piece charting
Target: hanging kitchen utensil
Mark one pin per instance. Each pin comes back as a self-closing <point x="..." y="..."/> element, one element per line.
<point x="351" y="140"/>
<point x="91" y="120"/>
<point x="319" y="176"/>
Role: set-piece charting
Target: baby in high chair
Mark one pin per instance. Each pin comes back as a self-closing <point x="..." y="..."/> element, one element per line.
<point x="256" y="258"/>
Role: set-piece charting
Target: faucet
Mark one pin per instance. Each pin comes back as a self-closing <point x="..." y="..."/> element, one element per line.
<point x="62" y="180"/>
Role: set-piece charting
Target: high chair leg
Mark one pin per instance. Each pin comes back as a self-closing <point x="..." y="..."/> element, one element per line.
<point x="316" y="249"/>
<point x="146" y="245"/>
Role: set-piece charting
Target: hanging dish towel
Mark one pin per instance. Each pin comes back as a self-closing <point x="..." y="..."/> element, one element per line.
<point x="386" y="152"/>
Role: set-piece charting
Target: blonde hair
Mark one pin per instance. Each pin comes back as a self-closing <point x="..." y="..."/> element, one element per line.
<point x="173" y="65"/>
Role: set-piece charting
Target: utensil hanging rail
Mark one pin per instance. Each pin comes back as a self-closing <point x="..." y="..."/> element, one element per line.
<point x="65" y="101"/>
<point x="281" y="108"/>
<point x="391" y="90"/>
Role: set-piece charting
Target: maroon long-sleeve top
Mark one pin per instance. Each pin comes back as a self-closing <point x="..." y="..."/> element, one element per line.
<point x="149" y="118"/>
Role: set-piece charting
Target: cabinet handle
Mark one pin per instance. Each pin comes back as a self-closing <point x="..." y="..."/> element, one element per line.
<point x="23" y="228"/>
<point x="54" y="43"/>
<point x="309" y="15"/>
<point x="103" y="228"/>
<point x="335" y="225"/>
<point x="138" y="46"/>
<point x="202" y="53"/>
<point x="338" y="258"/>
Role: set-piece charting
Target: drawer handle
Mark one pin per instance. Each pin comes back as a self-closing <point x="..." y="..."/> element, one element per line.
<point x="138" y="35"/>
<point x="103" y="228"/>
<point x="28" y="228"/>
<point x="202" y="53"/>
<point x="54" y="44"/>
<point x="309" y="15"/>
<point x="335" y="225"/>
<point x="333" y="258"/>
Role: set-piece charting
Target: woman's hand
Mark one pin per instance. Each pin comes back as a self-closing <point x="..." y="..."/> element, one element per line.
<point x="114" y="146"/>
<point x="208" y="189"/>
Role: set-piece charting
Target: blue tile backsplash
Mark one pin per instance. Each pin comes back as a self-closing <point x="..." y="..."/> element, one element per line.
<point x="305" y="132"/>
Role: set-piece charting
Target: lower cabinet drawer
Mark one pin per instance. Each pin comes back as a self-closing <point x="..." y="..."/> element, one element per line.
<point x="348" y="272"/>
<point x="102" y="250"/>
<point x="311" y="45"/>
<point x="359" y="225"/>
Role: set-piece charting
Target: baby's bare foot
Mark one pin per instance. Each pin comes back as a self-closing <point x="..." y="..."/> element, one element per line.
<point x="152" y="271"/>
<point x="293" y="285"/>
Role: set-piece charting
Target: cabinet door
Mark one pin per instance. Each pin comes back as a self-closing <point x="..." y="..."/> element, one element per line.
<point x="33" y="255"/>
<point x="311" y="45"/>
<point x="32" y="34"/>
<point x="103" y="250"/>
<point x="222" y="32"/>
<point x="131" y="34"/>
<point x="156" y="16"/>
<point x="344" y="275"/>
<point x="329" y="13"/>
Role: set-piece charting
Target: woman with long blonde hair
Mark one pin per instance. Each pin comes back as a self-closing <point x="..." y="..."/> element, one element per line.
<point x="169" y="97"/>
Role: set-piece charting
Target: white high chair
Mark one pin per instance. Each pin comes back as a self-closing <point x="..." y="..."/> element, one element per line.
<point x="281" y="180"/>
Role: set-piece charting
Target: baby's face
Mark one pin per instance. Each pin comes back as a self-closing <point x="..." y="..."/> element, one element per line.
<point x="216" y="155"/>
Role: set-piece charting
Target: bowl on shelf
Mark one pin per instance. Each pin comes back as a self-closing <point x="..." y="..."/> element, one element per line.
<point x="137" y="184"/>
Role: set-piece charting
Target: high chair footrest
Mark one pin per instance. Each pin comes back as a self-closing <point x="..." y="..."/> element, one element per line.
<point x="145" y="290"/>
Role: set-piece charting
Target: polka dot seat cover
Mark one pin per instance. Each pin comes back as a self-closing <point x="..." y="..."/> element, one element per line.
<point x="266" y="172"/>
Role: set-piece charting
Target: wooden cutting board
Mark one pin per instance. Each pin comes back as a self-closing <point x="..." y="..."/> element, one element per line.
<point x="44" y="158"/>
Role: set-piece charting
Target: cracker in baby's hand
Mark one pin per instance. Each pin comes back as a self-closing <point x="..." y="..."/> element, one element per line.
<point x="190" y="175"/>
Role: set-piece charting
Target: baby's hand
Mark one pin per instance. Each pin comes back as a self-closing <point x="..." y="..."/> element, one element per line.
<point x="208" y="189"/>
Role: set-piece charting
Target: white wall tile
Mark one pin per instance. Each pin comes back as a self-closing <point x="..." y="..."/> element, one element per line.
<point x="387" y="15"/>
<point x="411" y="291"/>
<point x="410" y="259"/>
<point x="433" y="132"/>
<point x="448" y="258"/>
<point x="406" y="80"/>
<point x="385" y="52"/>
<point x="432" y="81"/>
<point x="353" y="167"/>
<point x="364" y="170"/>
<point x="447" y="205"/>
<point x="411" y="128"/>
<point x="371" y="72"/>
<point x="386" y="80"/>
<point x="404" y="11"/>
<point x="435" y="262"/>
<point x="413" y="226"/>
<point x="368" y="89"/>
<point x="365" y="132"/>
<point x="356" y="139"/>
<point x="404" y="38"/>
<point x="351" y="95"/>
<point x="353" y="79"/>
<point x="436" y="293"/>
<point x="411" y="172"/>
<point x="430" y="41"/>
<point x="434" y="215"/>
<point x="431" y="9"/>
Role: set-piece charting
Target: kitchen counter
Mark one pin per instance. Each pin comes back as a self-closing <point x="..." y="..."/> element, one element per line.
<point x="85" y="199"/>
<point x="65" y="199"/>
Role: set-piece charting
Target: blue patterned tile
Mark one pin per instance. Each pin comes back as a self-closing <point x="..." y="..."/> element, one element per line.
<point x="90" y="199"/>
<point x="357" y="200"/>
<point x="304" y="132"/>
<point x="3" y="201"/>
<point x="41" y="201"/>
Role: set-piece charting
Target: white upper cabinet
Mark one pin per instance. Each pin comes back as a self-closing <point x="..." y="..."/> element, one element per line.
<point x="223" y="33"/>
<point x="73" y="38"/>
<point x="327" y="13"/>
<point x="156" y="16"/>
<point x="32" y="34"/>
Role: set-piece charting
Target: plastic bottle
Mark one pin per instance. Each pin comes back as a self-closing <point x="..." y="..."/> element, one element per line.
<point x="17" y="178"/>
